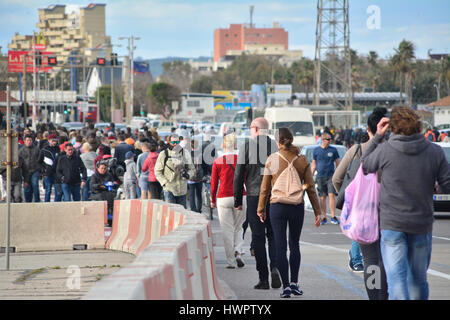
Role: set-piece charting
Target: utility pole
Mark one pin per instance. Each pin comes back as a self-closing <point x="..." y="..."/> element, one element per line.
<point x="34" y="82"/>
<point x="24" y="85"/>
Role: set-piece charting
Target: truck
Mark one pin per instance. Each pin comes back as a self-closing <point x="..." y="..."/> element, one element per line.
<point x="297" y="119"/>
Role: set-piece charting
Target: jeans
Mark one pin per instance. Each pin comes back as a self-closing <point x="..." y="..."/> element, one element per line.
<point x="71" y="192"/>
<point x="87" y="190"/>
<point x="48" y="184"/>
<point x="32" y="190"/>
<point x="169" y="197"/>
<point x="58" y="192"/>
<point x="261" y="230"/>
<point x="195" y="196"/>
<point x="282" y="216"/>
<point x="406" y="258"/>
<point x="355" y="254"/>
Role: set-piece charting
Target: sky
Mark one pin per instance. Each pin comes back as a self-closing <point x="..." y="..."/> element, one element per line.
<point x="175" y="28"/>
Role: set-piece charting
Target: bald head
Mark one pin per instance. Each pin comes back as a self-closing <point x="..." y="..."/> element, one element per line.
<point x="258" y="127"/>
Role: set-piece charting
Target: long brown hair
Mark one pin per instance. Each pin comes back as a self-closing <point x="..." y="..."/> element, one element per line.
<point x="285" y="138"/>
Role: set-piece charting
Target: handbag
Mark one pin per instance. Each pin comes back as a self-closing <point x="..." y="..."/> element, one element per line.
<point x="349" y="175"/>
<point x="359" y="215"/>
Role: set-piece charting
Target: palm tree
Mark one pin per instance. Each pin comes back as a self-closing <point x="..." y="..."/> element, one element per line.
<point x="305" y="75"/>
<point x="372" y="58"/>
<point x="401" y="62"/>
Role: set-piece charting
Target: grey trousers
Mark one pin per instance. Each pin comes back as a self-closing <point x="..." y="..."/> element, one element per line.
<point x="130" y="189"/>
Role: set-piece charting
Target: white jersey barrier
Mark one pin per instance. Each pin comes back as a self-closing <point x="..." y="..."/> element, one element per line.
<point x="47" y="226"/>
<point x="175" y="255"/>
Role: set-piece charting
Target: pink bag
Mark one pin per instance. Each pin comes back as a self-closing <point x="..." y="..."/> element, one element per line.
<point x="359" y="215"/>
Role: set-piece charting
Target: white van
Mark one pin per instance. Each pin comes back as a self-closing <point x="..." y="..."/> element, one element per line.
<point x="298" y="120"/>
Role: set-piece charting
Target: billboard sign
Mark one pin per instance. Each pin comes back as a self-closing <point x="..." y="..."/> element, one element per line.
<point x="15" y="61"/>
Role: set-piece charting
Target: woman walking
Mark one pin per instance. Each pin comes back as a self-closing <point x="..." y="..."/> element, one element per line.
<point x="287" y="210"/>
<point x="230" y="218"/>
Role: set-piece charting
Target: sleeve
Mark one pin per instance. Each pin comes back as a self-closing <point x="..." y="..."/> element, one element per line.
<point x="83" y="170"/>
<point x="146" y="165"/>
<point x="214" y="181"/>
<point x="239" y="175"/>
<point x="311" y="187"/>
<point x="266" y="186"/>
<point x="371" y="158"/>
<point x="159" y="166"/>
<point x="339" y="173"/>
<point x="336" y="154"/>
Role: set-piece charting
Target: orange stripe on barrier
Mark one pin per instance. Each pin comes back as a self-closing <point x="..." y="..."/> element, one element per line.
<point x="162" y="230"/>
<point x="133" y="224"/>
<point x="148" y="228"/>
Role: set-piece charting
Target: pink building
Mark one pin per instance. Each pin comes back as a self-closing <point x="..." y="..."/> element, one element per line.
<point x="237" y="36"/>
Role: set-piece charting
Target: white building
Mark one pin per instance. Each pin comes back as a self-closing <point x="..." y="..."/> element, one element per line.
<point x="196" y="107"/>
<point x="441" y="111"/>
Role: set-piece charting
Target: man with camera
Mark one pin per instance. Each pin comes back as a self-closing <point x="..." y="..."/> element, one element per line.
<point x="173" y="168"/>
<point x="104" y="186"/>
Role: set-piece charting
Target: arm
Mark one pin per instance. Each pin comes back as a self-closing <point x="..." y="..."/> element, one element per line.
<point x="313" y="167"/>
<point x="146" y="165"/>
<point x="371" y="158"/>
<point x="214" y="182"/>
<point x="341" y="169"/>
<point x="159" y="169"/>
<point x="266" y="186"/>
<point x="83" y="172"/>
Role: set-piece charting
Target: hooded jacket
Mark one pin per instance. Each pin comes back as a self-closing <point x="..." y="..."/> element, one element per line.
<point x="149" y="166"/>
<point x="411" y="165"/>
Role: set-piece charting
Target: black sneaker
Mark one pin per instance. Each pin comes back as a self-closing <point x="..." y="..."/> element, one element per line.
<point x="286" y="293"/>
<point x="262" y="285"/>
<point x="295" y="289"/>
<point x="240" y="261"/>
<point x="359" y="267"/>
<point x="276" y="280"/>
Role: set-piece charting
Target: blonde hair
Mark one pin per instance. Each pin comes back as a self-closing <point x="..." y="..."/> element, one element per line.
<point x="229" y="142"/>
<point x="87" y="147"/>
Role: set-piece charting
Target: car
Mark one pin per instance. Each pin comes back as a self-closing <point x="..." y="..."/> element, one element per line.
<point x="101" y="125"/>
<point x="445" y="127"/>
<point x="441" y="202"/>
<point x="73" y="125"/>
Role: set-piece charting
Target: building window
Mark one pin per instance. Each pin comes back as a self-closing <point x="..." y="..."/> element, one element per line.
<point x="226" y="35"/>
<point x="269" y="36"/>
<point x="193" y="103"/>
<point x="235" y="35"/>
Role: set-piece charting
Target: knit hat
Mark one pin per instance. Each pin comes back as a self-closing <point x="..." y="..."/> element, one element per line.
<point x="129" y="141"/>
<point x="129" y="154"/>
<point x="53" y="137"/>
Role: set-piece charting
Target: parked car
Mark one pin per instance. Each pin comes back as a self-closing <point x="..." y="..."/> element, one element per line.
<point x="73" y="125"/>
<point x="441" y="202"/>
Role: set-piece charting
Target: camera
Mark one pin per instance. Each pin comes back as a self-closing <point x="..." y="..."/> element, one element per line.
<point x="183" y="172"/>
<point x="113" y="167"/>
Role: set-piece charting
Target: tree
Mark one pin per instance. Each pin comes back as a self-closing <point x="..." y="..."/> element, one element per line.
<point x="161" y="97"/>
<point x="178" y="73"/>
<point x="401" y="63"/>
<point x="202" y="85"/>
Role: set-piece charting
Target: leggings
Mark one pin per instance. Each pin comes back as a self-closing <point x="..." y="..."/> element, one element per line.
<point x="374" y="273"/>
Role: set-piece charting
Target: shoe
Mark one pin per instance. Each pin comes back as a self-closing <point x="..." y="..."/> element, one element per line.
<point x="264" y="285"/>
<point x="333" y="220"/>
<point x="239" y="261"/>
<point x="295" y="289"/>
<point x="230" y="266"/>
<point x="276" y="281"/>
<point x="358" y="268"/>
<point x="286" y="293"/>
<point x="323" y="221"/>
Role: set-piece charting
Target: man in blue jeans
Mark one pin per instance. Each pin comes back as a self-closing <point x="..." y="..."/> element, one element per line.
<point x="69" y="170"/>
<point x="49" y="154"/>
<point x="411" y="166"/>
<point x="31" y="169"/>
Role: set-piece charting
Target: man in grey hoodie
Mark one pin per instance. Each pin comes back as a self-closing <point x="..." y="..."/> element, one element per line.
<point x="130" y="177"/>
<point x="411" y="166"/>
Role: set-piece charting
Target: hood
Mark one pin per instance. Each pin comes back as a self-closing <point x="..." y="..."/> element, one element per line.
<point x="153" y="155"/>
<point x="128" y="161"/>
<point x="414" y="144"/>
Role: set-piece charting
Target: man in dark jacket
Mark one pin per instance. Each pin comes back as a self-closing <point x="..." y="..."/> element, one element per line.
<point x="121" y="149"/>
<point x="47" y="159"/>
<point x="100" y="191"/>
<point x="68" y="171"/>
<point x="29" y="164"/>
<point x="250" y="166"/>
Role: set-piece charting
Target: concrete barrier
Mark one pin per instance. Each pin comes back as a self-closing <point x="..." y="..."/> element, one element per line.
<point x="175" y="255"/>
<point x="48" y="226"/>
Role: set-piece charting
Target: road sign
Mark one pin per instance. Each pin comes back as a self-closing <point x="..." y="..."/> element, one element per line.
<point x="40" y="47"/>
<point x="174" y="105"/>
<point x="15" y="61"/>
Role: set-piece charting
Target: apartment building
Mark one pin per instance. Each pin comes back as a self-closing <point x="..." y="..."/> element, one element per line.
<point x="80" y="31"/>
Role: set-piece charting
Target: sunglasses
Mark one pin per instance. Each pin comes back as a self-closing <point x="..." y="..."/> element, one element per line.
<point x="328" y="139"/>
<point x="175" y="142"/>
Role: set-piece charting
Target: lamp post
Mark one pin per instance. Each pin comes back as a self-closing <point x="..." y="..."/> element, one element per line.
<point x="131" y="48"/>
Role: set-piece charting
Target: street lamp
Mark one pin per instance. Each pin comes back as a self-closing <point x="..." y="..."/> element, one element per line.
<point x="131" y="48"/>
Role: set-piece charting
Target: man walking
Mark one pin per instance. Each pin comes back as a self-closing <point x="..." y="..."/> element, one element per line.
<point x="29" y="164"/>
<point x="68" y="171"/>
<point x="324" y="159"/>
<point x="251" y="161"/>
<point x="47" y="160"/>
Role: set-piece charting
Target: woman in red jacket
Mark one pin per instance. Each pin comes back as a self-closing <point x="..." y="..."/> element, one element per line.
<point x="153" y="185"/>
<point x="230" y="218"/>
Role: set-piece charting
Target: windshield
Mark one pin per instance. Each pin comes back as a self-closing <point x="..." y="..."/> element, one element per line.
<point x="297" y="128"/>
<point x="240" y="117"/>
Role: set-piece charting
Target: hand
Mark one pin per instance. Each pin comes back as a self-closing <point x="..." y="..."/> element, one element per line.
<point x="213" y="205"/>
<point x="83" y="184"/>
<point x="317" y="222"/>
<point x="239" y="208"/>
<point x="262" y="216"/>
<point x="383" y="126"/>
<point x="25" y="184"/>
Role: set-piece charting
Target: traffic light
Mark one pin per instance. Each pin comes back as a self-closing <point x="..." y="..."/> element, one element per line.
<point x="101" y="61"/>
<point x="65" y="110"/>
<point x="38" y="59"/>
<point x="114" y="59"/>
<point x="52" y="61"/>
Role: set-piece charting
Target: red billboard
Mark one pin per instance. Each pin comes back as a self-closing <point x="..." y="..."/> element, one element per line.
<point x="15" y="61"/>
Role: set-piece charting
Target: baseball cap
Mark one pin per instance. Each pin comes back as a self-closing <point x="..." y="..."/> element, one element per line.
<point x="129" y="154"/>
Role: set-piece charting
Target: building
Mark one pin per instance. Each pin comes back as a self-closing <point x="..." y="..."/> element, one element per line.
<point x="196" y="107"/>
<point x="441" y="111"/>
<point x="81" y="31"/>
<point x="238" y="36"/>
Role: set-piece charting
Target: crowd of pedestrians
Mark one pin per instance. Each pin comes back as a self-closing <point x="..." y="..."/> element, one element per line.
<point x="260" y="185"/>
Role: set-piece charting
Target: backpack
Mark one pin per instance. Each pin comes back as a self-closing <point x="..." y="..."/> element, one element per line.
<point x="288" y="187"/>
